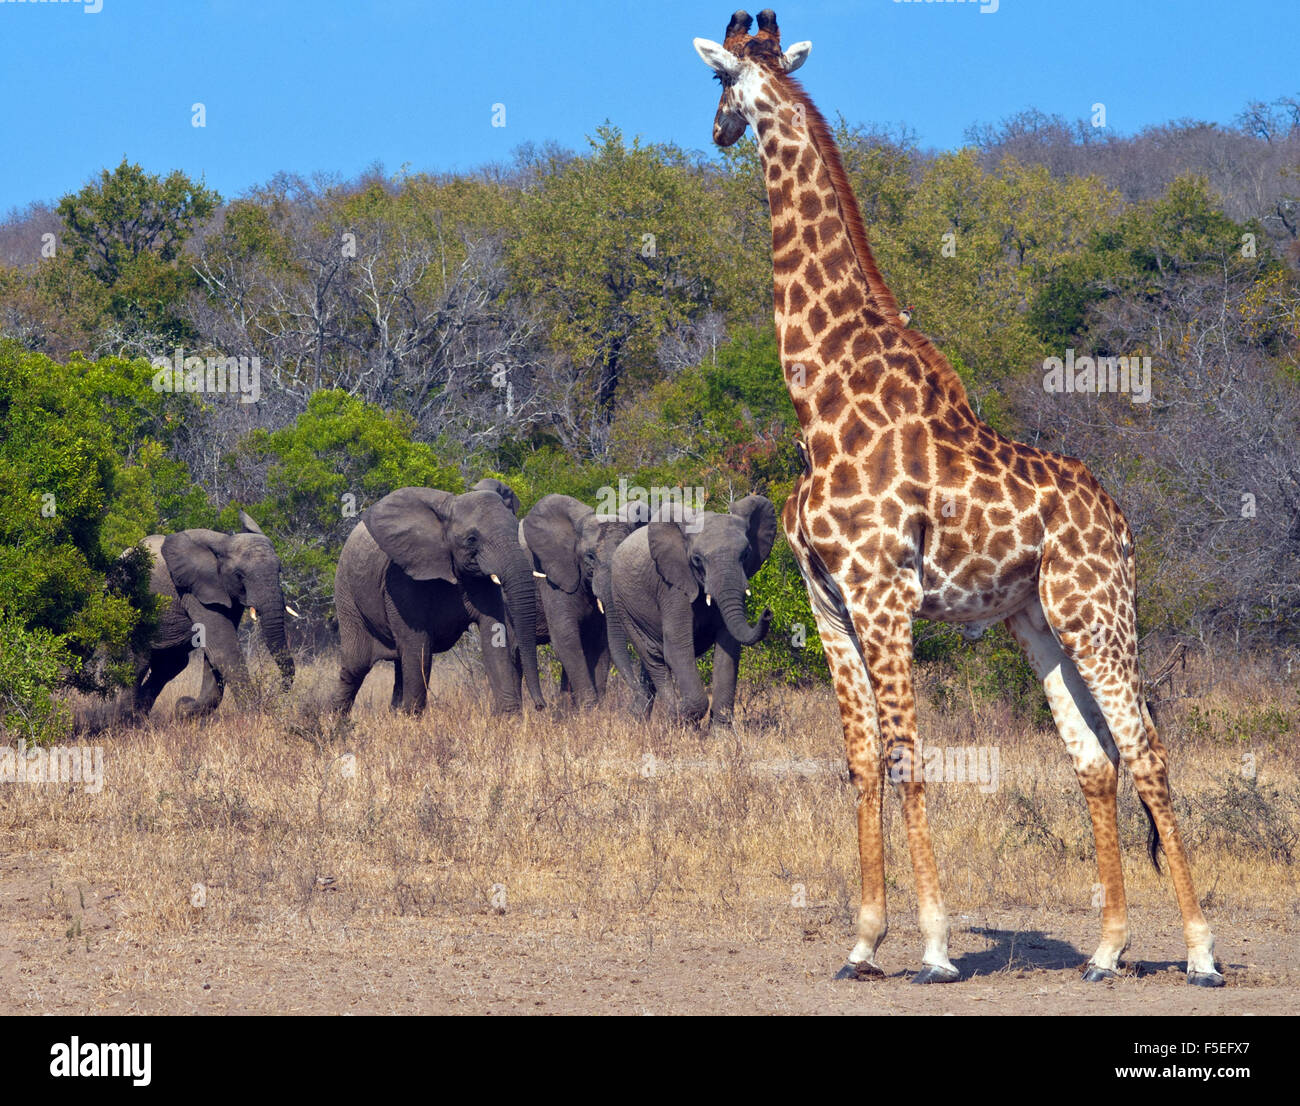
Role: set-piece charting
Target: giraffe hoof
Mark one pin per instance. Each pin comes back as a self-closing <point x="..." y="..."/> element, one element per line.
<point x="862" y="970"/>
<point x="932" y="973"/>
<point x="1205" y="979"/>
<point x="1094" y="974"/>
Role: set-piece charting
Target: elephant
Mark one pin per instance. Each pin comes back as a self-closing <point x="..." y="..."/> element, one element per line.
<point x="679" y="588"/>
<point x="571" y="548"/>
<point x="419" y="567"/>
<point x="210" y="578"/>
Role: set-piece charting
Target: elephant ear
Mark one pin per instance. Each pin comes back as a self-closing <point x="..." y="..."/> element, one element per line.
<point x="760" y="526"/>
<point x="192" y="559"/>
<point x="491" y="484"/>
<point x="250" y="527"/>
<point x="551" y="532"/>
<point x="410" y="526"/>
<point x="668" y="551"/>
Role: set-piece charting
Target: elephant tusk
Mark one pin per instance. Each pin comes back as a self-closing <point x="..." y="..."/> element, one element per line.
<point x="495" y="579"/>
<point x="539" y="575"/>
<point x="253" y="612"/>
<point x="290" y="610"/>
<point x="708" y="599"/>
<point x="748" y="593"/>
<point x="600" y="606"/>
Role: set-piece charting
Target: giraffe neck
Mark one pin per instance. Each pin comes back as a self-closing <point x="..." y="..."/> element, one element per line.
<point x="829" y="299"/>
<point x="835" y="316"/>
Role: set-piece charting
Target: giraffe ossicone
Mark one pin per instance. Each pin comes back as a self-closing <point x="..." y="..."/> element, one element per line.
<point x="910" y="506"/>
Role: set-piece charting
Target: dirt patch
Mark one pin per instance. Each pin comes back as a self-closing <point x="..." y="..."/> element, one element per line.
<point x="61" y="952"/>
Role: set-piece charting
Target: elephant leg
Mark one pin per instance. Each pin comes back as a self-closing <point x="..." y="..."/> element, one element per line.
<point x="160" y="669"/>
<point x="567" y="643"/>
<point x="352" y="674"/>
<point x="357" y="649"/>
<point x="396" y="701"/>
<point x="679" y="654"/>
<point x="221" y="652"/>
<point x="597" y="650"/>
<point x="503" y="672"/>
<point x="661" y="684"/>
<point x="726" y="663"/>
<point x="631" y="668"/>
<point x="212" y="687"/>
<point x="414" y="660"/>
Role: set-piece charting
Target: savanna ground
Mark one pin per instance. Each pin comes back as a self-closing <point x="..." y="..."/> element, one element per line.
<point x="272" y="862"/>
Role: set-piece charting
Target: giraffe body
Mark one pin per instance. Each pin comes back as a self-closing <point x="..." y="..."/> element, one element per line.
<point x="910" y="506"/>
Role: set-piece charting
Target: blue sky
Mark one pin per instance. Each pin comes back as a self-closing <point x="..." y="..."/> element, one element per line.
<point x="338" y="85"/>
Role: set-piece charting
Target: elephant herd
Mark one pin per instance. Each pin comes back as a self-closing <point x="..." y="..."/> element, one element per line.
<point x="649" y="592"/>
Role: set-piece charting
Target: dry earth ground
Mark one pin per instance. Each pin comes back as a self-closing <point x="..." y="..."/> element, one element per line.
<point x="565" y="863"/>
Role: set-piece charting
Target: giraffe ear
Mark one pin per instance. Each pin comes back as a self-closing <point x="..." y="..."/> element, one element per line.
<point x="796" y="56"/>
<point x="717" y="57"/>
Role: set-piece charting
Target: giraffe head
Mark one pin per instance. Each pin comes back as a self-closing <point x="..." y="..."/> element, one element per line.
<point x="743" y="63"/>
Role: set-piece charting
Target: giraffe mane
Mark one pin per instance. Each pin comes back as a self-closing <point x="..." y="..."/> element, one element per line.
<point x="824" y="143"/>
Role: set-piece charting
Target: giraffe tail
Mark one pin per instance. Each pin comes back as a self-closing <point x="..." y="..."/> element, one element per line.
<point x="1153" y="836"/>
<point x="1153" y="740"/>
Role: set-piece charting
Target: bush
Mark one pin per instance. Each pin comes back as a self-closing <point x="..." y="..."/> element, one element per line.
<point x="32" y="664"/>
<point x="63" y="429"/>
<point x="322" y="472"/>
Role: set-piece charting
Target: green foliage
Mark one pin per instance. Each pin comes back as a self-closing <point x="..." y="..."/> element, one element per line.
<point x="617" y="248"/>
<point x="322" y="472"/>
<point x="62" y="428"/>
<point x="991" y="670"/>
<point x="32" y="663"/>
<point x="791" y="652"/>
<point x="1013" y="232"/>
<point x="126" y="231"/>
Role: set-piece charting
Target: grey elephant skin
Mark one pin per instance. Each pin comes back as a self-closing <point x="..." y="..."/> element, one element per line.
<point x="415" y="573"/>
<point x="572" y="550"/>
<point x="208" y="580"/>
<point x="679" y="589"/>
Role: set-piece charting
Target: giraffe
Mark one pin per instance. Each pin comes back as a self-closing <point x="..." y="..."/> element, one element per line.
<point x="910" y="506"/>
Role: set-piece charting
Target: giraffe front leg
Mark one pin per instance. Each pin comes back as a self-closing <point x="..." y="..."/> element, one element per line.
<point x="887" y="649"/>
<point x="866" y="771"/>
<point x="862" y="744"/>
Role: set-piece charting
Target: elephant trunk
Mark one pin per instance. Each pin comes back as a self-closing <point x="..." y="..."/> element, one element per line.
<point x="731" y="605"/>
<point x="270" y="611"/>
<point x="515" y="571"/>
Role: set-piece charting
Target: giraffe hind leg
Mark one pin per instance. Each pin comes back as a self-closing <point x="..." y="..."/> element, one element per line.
<point x="1099" y="634"/>
<point x="1095" y="759"/>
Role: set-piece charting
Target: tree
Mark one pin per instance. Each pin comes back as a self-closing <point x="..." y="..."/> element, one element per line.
<point x="62" y="432"/>
<point x="307" y="484"/>
<point x="618" y="248"/>
<point x="126" y="231"/>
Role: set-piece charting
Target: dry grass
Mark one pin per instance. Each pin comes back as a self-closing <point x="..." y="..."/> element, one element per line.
<point x="605" y="826"/>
